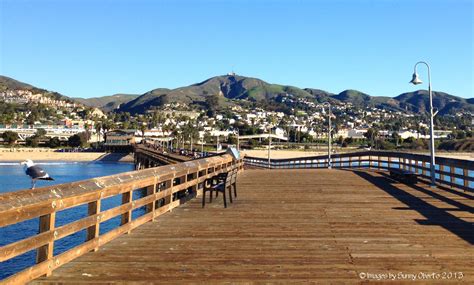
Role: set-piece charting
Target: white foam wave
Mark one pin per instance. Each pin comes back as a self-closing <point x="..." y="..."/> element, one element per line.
<point x="41" y="163"/>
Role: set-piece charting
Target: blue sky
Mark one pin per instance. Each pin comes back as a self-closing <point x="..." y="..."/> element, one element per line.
<point x="96" y="48"/>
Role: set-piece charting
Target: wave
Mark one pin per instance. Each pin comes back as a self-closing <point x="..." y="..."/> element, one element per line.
<point x="41" y="163"/>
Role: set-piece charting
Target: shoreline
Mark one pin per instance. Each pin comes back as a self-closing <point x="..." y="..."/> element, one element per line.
<point x="48" y="155"/>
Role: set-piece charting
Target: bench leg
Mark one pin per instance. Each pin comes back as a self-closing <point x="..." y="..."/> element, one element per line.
<point x="210" y="197"/>
<point x="225" y="200"/>
<point x="230" y="194"/>
<point x="235" y="190"/>
<point x="203" y="198"/>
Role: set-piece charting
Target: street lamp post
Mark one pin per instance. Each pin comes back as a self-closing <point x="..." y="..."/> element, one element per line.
<point x="238" y="140"/>
<point x="269" y="147"/>
<point x="329" y="133"/>
<point x="416" y="80"/>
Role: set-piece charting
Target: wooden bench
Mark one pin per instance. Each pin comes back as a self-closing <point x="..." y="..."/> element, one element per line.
<point x="404" y="176"/>
<point x="221" y="183"/>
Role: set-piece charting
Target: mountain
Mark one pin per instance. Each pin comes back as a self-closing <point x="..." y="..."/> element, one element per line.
<point x="107" y="103"/>
<point x="235" y="89"/>
<point x="230" y="87"/>
<point x="7" y="83"/>
<point x="320" y="95"/>
<point x="419" y="102"/>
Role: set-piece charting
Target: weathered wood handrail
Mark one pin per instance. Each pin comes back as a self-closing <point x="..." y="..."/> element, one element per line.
<point x="163" y="186"/>
<point x="154" y="157"/>
<point x="450" y="169"/>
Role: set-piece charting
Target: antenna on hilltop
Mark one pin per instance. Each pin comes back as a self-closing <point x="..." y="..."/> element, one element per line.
<point x="231" y="73"/>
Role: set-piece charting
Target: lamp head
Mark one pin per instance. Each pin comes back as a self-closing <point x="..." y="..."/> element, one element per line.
<point x="416" y="79"/>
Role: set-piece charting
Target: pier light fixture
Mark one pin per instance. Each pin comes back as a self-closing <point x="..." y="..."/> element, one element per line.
<point x="416" y="80"/>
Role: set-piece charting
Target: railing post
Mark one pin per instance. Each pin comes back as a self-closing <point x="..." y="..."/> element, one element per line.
<point x="45" y="252"/>
<point x="465" y="173"/>
<point x="389" y="163"/>
<point x="378" y="162"/>
<point x="151" y="190"/>
<point x="93" y="208"/>
<point x="169" y="199"/>
<point x="127" y="197"/>
<point x="360" y="161"/>
<point x="451" y="177"/>
<point x="423" y="164"/>
<point x="441" y="169"/>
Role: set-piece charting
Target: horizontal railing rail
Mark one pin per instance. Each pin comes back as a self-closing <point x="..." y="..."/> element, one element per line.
<point x="158" y="156"/>
<point x="449" y="171"/>
<point x="166" y="188"/>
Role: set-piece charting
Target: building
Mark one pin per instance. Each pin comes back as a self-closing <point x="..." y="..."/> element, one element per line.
<point x="120" y="140"/>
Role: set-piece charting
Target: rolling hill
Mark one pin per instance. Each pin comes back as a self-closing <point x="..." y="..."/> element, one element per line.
<point x="231" y="87"/>
<point x="418" y="102"/>
<point x="107" y="103"/>
<point x="7" y="83"/>
<point x="235" y="88"/>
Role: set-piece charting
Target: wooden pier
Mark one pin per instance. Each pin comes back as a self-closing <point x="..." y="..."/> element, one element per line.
<point x="292" y="221"/>
<point x="146" y="157"/>
<point x="337" y="226"/>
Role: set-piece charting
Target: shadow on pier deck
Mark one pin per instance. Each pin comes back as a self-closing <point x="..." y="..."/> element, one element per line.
<point x="294" y="225"/>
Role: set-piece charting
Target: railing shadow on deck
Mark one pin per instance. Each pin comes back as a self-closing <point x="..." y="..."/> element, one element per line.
<point x="451" y="172"/>
<point x="434" y="215"/>
<point x="164" y="187"/>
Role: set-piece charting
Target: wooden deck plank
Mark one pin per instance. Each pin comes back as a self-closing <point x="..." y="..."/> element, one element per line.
<point x="293" y="225"/>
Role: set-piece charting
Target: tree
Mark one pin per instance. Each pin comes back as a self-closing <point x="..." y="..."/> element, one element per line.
<point x="10" y="137"/>
<point x="98" y="128"/>
<point x="396" y="138"/>
<point x="371" y="134"/>
<point x="77" y="140"/>
<point x="54" y="142"/>
<point x="32" y="141"/>
<point x="40" y="133"/>
<point x="143" y="128"/>
<point x="212" y="102"/>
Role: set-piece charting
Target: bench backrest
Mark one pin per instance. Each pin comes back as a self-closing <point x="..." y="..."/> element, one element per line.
<point x="233" y="177"/>
<point x="229" y="178"/>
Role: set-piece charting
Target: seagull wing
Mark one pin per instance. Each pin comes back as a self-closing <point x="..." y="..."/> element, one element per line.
<point x="36" y="172"/>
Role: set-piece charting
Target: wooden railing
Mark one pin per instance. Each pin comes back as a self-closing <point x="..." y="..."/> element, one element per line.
<point x="449" y="171"/>
<point x="145" y="157"/>
<point x="166" y="188"/>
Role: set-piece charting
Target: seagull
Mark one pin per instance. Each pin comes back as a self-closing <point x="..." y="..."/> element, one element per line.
<point x="35" y="172"/>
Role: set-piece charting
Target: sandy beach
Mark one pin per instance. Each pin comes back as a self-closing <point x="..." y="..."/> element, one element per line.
<point x="18" y="155"/>
<point x="44" y="154"/>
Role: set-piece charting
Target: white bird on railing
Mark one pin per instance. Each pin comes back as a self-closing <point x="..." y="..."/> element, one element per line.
<point x="35" y="172"/>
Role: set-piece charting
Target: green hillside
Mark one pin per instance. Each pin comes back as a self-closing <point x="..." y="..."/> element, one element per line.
<point x="107" y="103"/>
<point x="418" y="102"/>
<point x="236" y="89"/>
<point x="7" y="83"/>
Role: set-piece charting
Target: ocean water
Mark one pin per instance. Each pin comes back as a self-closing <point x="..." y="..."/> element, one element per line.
<point x="13" y="178"/>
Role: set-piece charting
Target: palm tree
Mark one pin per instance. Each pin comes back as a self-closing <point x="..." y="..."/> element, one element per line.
<point x="143" y="128"/>
<point x="98" y="128"/>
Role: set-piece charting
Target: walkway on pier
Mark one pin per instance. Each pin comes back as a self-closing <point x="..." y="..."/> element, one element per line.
<point x="294" y="225"/>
